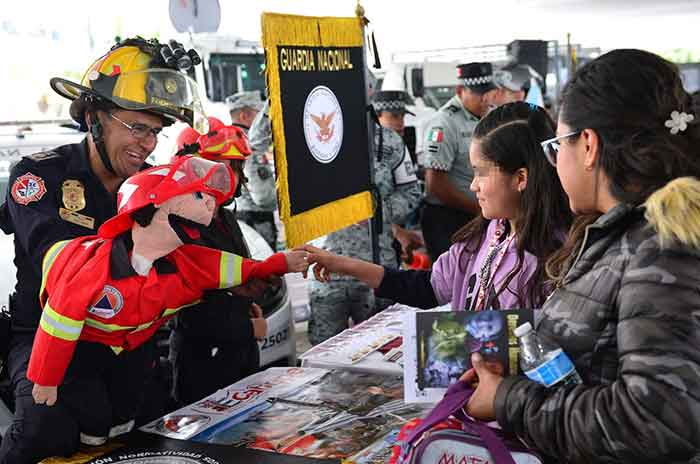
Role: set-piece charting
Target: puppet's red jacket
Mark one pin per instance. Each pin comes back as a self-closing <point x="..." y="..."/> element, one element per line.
<point x="91" y="292"/>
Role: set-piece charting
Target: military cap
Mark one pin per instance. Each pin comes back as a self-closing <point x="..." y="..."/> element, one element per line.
<point x="248" y="99"/>
<point x="476" y="76"/>
<point x="394" y="101"/>
<point x="513" y="77"/>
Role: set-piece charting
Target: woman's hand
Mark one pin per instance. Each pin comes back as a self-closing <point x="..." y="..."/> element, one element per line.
<point x="45" y="395"/>
<point x="481" y="404"/>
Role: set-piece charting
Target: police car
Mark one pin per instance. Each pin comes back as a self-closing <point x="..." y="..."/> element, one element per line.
<point x="25" y="138"/>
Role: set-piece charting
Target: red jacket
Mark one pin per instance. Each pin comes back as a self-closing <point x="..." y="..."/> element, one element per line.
<point x="90" y="292"/>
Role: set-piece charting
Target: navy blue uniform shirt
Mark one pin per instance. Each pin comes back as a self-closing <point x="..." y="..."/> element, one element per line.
<point x="51" y="196"/>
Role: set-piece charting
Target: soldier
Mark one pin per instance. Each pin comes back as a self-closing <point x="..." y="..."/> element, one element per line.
<point x="394" y="176"/>
<point x="244" y="107"/>
<point x="258" y="200"/>
<point x="390" y="106"/>
<point x="449" y="204"/>
<point x="513" y="82"/>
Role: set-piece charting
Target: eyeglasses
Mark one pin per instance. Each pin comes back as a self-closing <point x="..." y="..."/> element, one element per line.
<point x="140" y="131"/>
<point x="551" y="147"/>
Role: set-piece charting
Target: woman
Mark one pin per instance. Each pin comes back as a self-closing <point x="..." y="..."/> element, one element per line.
<point x="625" y="309"/>
<point x="498" y="259"/>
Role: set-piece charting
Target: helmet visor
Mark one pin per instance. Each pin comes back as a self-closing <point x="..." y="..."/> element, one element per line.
<point x="201" y="175"/>
<point x="226" y="143"/>
<point x="159" y="90"/>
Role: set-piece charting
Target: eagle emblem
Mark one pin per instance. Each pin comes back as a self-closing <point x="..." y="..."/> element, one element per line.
<point x="325" y="130"/>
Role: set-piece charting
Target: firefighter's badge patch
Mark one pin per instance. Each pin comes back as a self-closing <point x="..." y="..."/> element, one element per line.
<point x="108" y="303"/>
<point x="28" y="188"/>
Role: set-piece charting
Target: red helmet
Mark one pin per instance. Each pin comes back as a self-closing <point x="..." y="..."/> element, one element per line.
<point x="156" y="185"/>
<point x="222" y="143"/>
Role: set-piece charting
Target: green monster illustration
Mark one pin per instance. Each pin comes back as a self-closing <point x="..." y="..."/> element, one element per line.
<point x="448" y="336"/>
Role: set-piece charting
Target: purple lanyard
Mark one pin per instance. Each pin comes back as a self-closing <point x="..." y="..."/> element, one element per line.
<point x="485" y="285"/>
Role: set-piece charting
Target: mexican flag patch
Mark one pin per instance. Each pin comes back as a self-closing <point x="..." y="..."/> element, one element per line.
<point x="436" y="135"/>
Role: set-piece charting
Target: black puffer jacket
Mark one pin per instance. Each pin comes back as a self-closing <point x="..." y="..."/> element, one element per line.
<point x="628" y="315"/>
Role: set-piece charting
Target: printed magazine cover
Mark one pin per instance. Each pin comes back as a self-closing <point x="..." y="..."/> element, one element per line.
<point x="233" y="403"/>
<point x="335" y="416"/>
<point x="443" y="343"/>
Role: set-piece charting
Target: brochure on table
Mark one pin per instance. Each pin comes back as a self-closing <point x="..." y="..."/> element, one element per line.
<point x="371" y="346"/>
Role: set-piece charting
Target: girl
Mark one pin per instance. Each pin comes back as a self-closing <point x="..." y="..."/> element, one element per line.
<point x="498" y="259"/>
<point x="626" y="306"/>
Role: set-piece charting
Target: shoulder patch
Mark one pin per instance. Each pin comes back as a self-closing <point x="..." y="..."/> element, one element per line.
<point x="436" y="135"/>
<point x="43" y="155"/>
<point x="108" y="303"/>
<point x="28" y="188"/>
<point x="452" y="109"/>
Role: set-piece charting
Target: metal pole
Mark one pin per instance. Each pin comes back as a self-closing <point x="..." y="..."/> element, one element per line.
<point x="557" y="75"/>
<point x="373" y="232"/>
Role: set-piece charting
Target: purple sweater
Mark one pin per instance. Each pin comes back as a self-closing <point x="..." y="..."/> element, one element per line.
<point x="456" y="278"/>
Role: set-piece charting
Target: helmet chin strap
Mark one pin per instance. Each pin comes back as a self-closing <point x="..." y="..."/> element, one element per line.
<point x="97" y="131"/>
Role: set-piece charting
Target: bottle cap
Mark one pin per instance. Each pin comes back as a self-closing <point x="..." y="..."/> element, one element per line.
<point x="521" y="330"/>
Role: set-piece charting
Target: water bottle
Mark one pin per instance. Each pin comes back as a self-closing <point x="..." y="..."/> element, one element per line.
<point x="543" y="360"/>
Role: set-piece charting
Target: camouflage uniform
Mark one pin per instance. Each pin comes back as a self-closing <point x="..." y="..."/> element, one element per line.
<point x="333" y="302"/>
<point x="258" y="199"/>
<point x="446" y="145"/>
<point x="627" y="315"/>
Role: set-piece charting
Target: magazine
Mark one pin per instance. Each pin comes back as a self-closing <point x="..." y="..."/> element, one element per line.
<point x="361" y="347"/>
<point x="334" y="416"/>
<point x="233" y="403"/>
<point x="438" y="346"/>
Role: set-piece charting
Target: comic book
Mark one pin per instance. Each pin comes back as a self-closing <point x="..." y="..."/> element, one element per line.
<point x="438" y="347"/>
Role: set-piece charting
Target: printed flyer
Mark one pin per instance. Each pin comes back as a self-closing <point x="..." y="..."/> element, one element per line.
<point x="438" y="346"/>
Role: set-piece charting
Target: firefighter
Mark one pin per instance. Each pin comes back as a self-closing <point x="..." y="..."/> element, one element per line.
<point x="105" y="295"/>
<point x="124" y="100"/>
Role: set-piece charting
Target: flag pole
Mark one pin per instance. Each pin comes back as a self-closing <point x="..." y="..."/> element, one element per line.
<point x="374" y="227"/>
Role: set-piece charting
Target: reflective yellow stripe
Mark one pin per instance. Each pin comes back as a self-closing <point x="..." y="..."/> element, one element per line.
<point x="60" y="326"/>
<point x="169" y="311"/>
<point x="117" y="349"/>
<point x="116" y="328"/>
<point x="107" y="327"/>
<point x="48" y="260"/>
<point x="230" y="270"/>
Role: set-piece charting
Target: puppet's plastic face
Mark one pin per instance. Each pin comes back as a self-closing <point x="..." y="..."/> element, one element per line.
<point x="198" y="207"/>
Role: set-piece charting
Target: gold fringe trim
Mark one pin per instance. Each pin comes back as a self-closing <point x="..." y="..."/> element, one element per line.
<point x="281" y="29"/>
